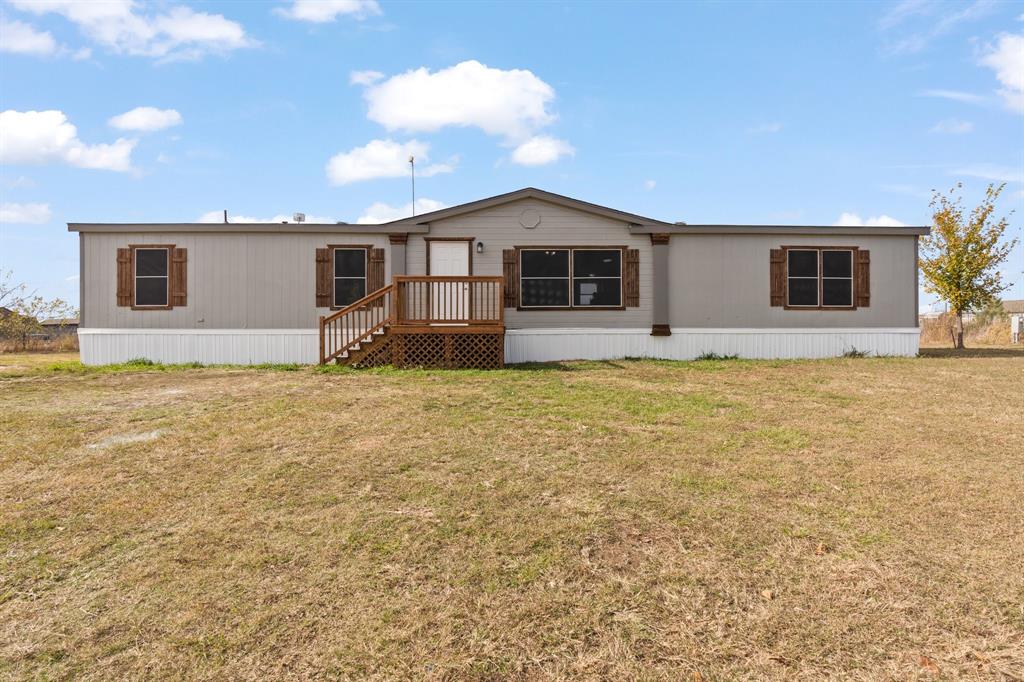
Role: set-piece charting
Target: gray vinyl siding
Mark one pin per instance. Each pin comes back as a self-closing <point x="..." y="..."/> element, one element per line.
<point x="235" y="281"/>
<point x="498" y="228"/>
<point x="723" y="282"/>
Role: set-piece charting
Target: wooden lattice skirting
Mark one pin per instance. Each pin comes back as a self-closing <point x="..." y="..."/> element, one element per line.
<point x="455" y="348"/>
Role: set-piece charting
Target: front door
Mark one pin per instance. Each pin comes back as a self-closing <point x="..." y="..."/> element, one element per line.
<point x="449" y="300"/>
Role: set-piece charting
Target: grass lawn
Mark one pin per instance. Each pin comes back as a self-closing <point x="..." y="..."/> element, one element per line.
<point x="856" y="518"/>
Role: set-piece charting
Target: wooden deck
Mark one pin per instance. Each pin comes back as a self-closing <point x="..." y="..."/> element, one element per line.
<point x="421" y="321"/>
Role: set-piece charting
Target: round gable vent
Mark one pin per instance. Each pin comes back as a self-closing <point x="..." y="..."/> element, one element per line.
<point x="529" y="218"/>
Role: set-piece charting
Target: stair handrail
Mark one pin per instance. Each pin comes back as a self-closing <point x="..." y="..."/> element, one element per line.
<point x="339" y="331"/>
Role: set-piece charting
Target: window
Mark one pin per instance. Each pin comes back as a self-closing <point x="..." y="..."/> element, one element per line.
<point x="819" y="278"/>
<point x="570" y="278"/>
<point x="836" y="278"/>
<point x="151" y="277"/>
<point x="597" y="277"/>
<point x="544" y="278"/>
<point x="349" y="276"/>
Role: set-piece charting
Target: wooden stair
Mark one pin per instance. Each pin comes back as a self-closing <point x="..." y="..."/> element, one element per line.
<point x="420" y="321"/>
<point x="373" y="351"/>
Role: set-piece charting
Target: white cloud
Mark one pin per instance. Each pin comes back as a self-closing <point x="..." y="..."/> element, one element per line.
<point x="383" y="159"/>
<point x="650" y="184"/>
<point x="952" y="126"/>
<point x="20" y="38"/>
<point x="379" y="212"/>
<point x="323" y="11"/>
<point x="40" y="137"/>
<point x="179" y="33"/>
<point x="901" y="11"/>
<point x="990" y="171"/>
<point x="541" y="150"/>
<point x="146" y="119"/>
<point x="510" y="103"/>
<point x="364" y="77"/>
<point x="34" y="214"/>
<point x="938" y="20"/>
<point x="22" y="181"/>
<point x="218" y="217"/>
<point x="854" y="220"/>
<point x="765" y="128"/>
<point x="1006" y="58"/>
<point x="955" y="95"/>
<point x="72" y="278"/>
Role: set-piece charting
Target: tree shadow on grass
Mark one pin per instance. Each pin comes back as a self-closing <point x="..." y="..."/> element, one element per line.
<point x="569" y="366"/>
<point x="998" y="352"/>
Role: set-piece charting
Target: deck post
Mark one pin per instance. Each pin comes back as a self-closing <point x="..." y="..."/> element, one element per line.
<point x="660" y="285"/>
<point x="322" y="339"/>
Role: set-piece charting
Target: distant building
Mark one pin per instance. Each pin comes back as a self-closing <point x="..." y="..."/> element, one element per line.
<point x="1015" y="309"/>
<point x="59" y="326"/>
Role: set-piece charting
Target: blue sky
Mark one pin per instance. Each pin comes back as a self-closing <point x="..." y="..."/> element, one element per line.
<point x="704" y="112"/>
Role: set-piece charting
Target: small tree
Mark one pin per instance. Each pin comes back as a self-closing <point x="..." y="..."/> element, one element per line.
<point x="22" y="313"/>
<point x="960" y="259"/>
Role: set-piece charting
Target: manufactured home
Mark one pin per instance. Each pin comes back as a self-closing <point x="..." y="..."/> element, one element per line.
<point x="520" y="277"/>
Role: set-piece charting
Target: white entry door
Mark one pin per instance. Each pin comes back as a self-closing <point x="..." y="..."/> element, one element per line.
<point x="449" y="300"/>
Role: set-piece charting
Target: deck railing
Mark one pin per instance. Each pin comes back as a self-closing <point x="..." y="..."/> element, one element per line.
<point x="355" y="323"/>
<point x="412" y="301"/>
<point x="449" y="300"/>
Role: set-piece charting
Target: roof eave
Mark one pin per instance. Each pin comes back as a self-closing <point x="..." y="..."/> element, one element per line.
<point x="212" y="228"/>
<point x="527" y="193"/>
<point x="909" y="230"/>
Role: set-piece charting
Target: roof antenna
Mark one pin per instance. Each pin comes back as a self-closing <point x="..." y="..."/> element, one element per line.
<point x="225" y="215"/>
<point x="412" y="171"/>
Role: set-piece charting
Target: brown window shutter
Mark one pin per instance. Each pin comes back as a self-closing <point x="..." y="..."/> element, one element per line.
<point x="324" y="278"/>
<point x="631" y="278"/>
<point x="375" y="270"/>
<point x="510" y="269"/>
<point x="863" y="284"/>
<point x="375" y="274"/>
<point x="125" y="283"/>
<point x="179" y="277"/>
<point x="778" y="277"/>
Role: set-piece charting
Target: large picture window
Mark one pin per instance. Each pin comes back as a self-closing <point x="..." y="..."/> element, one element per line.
<point x="570" y="278"/>
<point x="819" y="278"/>
<point x="349" y="276"/>
<point x="152" y="277"/>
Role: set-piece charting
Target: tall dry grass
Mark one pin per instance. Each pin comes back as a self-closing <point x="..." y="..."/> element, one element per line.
<point x="992" y="331"/>
<point x="58" y="343"/>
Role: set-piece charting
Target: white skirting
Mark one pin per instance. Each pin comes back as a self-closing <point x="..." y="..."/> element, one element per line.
<point x="205" y="346"/>
<point x="258" y="346"/>
<point x="542" y="345"/>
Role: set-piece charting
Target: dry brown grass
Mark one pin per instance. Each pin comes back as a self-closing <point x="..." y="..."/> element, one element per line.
<point x="937" y="332"/>
<point x="855" y="518"/>
<point x="57" y="343"/>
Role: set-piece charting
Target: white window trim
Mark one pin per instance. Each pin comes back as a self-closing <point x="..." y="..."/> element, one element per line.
<point x="335" y="277"/>
<point x="137" y="277"/>
<point x="571" y="278"/>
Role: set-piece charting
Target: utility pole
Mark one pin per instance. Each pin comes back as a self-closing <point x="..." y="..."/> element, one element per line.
<point x="412" y="171"/>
